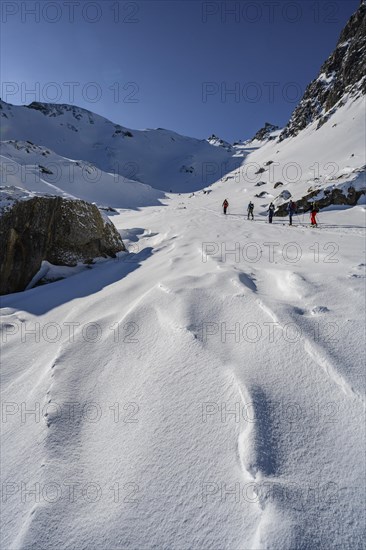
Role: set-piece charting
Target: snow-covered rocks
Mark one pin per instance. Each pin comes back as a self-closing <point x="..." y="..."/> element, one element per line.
<point x="218" y="142"/>
<point x="348" y="193"/>
<point x="342" y="75"/>
<point x="37" y="227"/>
<point x="268" y="132"/>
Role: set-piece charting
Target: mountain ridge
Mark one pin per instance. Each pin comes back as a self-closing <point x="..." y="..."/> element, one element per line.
<point x="161" y="158"/>
<point x="343" y="73"/>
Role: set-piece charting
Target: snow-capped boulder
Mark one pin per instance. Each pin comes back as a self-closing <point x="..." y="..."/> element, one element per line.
<point x="282" y="198"/>
<point x="36" y="227"/>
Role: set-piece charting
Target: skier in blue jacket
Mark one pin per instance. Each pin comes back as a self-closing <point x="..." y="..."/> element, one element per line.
<point x="271" y="210"/>
<point x="291" y="209"/>
<point x="250" y="210"/>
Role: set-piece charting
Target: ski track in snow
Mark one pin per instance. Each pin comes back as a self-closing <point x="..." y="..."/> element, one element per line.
<point x="182" y="361"/>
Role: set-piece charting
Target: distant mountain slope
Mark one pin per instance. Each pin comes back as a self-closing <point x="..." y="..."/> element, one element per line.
<point x="267" y="133"/>
<point x="321" y="152"/>
<point x="39" y="169"/>
<point x="342" y="74"/>
<point x="218" y="142"/>
<point x="314" y="160"/>
<point x="160" y="158"/>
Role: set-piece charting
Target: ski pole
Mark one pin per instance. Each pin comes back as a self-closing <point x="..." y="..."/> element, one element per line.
<point x="298" y="218"/>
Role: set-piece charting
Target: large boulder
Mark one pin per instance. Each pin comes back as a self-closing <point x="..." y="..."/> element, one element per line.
<point x="63" y="231"/>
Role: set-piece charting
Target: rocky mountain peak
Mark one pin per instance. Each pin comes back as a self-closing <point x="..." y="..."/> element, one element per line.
<point x="344" y="72"/>
<point x="265" y="132"/>
<point x="218" y="142"/>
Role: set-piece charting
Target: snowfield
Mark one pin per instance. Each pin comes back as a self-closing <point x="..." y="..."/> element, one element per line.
<point x="38" y="169"/>
<point x="183" y="164"/>
<point x="316" y="158"/>
<point x="205" y="390"/>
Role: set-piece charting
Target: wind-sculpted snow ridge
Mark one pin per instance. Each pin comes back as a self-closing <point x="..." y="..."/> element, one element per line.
<point x="190" y="397"/>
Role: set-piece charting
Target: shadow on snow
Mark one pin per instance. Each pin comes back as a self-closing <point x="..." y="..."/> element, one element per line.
<point x="40" y="300"/>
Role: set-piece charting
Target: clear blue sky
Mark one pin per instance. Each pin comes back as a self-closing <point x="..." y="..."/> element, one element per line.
<point x="170" y="64"/>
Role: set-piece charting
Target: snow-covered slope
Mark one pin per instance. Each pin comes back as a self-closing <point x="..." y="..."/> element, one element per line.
<point x="206" y="391"/>
<point x="218" y="142"/>
<point x="323" y="145"/>
<point x="160" y="158"/>
<point x="342" y="75"/>
<point x="39" y="169"/>
<point x="314" y="159"/>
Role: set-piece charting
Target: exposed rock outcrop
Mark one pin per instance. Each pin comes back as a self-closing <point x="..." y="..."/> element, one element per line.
<point x="35" y="227"/>
<point x="343" y="73"/>
<point x="347" y="194"/>
<point x="265" y="132"/>
<point x="218" y="142"/>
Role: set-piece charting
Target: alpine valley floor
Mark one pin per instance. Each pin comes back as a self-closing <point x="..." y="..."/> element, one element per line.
<point x="204" y="391"/>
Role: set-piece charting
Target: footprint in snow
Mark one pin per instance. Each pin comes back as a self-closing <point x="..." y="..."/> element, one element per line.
<point x="298" y="310"/>
<point x="318" y="310"/>
<point x="360" y="272"/>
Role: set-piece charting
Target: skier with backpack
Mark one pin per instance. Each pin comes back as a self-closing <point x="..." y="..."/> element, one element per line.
<point x="250" y="210"/>
<point x="271" y="210"/>
<point x="225" y="205"/>
<point x="291" y="209"/>
<point x="313" y="214"/>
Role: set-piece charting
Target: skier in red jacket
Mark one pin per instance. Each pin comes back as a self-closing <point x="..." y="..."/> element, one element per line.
<point x="313" y="214"/>
<point x="225" y="205"/>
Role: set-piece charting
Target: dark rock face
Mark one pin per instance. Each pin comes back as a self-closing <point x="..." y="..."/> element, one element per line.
<point x="61" y="231"/>
<point x="119" y="131"/>
<point x="347" y="195"/>
<point x="264" y="133"/>
<point x="285" y="195"/>
<point x="187" y="169"/>
<point x="342" y="73"/>
<point x="58" y="109"/>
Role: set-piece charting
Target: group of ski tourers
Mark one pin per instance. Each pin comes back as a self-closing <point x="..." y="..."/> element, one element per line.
<point x="291" y="209"/>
